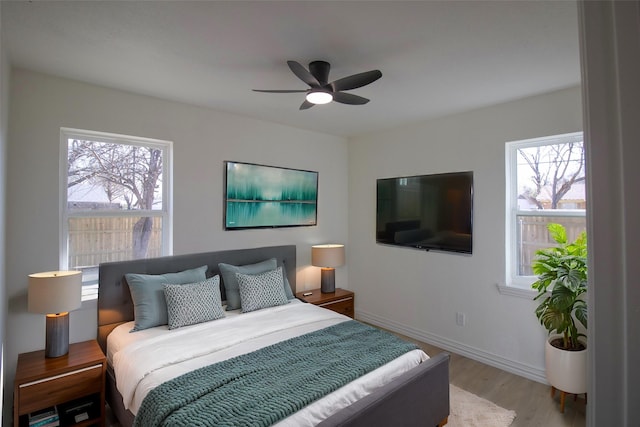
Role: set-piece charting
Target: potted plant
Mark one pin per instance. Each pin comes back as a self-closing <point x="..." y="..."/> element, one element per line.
<point x="562" y="281"/>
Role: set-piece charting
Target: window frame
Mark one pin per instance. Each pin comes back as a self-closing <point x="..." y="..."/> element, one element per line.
<point x="513" y="279"/>
<point x="165" y="213"/>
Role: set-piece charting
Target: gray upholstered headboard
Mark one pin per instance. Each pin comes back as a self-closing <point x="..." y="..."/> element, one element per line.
<point x="114" y="300"/>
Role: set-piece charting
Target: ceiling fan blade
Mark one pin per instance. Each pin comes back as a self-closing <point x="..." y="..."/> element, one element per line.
<point x="303" y="74"/>
<point x="349" y="98"/>
<point x="355" y="81"/>
<point x="279" y="91"/>
<point x="306" y="105"/>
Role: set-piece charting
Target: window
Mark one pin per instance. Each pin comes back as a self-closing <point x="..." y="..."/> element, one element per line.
<point x="545" y="184"/>
<point x="115" y="200"/>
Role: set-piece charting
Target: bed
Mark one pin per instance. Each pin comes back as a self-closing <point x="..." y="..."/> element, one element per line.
<point x="409" y="389"/>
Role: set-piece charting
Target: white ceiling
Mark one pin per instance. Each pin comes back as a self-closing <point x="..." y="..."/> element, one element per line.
<point x="436" y="57"/>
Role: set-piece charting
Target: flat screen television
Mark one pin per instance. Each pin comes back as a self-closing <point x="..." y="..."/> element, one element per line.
<point x="427" y="212"/>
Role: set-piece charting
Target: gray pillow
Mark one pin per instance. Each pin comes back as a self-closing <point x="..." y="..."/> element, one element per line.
<point x="230" y="282"/>
<point x="147" y="293"/>
<point x="193" y="303"/>
<point x="258" y="291"/>
<point x="287" y="287"/>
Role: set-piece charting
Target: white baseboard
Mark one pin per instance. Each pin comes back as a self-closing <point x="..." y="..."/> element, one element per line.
<point x="512" y="366"/>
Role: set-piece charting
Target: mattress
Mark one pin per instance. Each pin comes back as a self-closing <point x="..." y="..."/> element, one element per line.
<point x="145" y="359"/>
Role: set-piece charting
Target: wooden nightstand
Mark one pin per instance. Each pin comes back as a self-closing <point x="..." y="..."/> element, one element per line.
<point x="340" y="301"/>
<point x="41" y="383"/>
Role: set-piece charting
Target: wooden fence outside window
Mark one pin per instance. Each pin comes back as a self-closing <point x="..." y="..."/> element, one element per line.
<point x="93" y="240"/>
<point x="534" y="235"/>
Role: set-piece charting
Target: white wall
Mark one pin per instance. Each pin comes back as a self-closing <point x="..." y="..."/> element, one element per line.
<point x="610" y="60"/>
<point x="418" y="293"/>
<point x="202" y="138"/>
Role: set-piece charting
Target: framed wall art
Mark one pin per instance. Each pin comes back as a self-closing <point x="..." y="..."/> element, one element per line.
<point x="259" y="196"/>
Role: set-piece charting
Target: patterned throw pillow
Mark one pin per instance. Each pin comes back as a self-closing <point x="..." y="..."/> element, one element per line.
<point x="147" y="293"/>
<point x="194" y="302"/>
<point x="261" y="290"/>
<point x="231" y="286"/>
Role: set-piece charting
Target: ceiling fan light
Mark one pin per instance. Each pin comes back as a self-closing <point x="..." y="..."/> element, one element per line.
<point x="319" y="97"/>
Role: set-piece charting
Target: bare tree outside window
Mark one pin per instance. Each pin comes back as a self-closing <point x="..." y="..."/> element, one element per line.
<point x="554" y="169"/>
<point x="129" y="177"/>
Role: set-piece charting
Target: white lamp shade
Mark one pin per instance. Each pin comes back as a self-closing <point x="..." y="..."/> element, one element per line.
<point x="55" y="292"/>
<point x="328" y="256"/>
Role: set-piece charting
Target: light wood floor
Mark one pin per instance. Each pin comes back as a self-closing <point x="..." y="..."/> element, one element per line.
<point x="531" y="400"/>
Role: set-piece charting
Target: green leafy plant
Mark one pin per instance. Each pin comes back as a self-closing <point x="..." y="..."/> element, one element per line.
<point x="562" y="280"/>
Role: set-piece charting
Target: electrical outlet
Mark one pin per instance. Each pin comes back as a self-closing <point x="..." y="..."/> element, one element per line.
<point x="461" y="319"/>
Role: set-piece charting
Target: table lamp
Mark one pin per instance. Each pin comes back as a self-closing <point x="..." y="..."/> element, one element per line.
<point x="55" y="293"/>
<point x="328" y="257"/>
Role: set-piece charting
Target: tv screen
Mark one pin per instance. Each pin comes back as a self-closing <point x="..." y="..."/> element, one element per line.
<point x="426" y="211"/>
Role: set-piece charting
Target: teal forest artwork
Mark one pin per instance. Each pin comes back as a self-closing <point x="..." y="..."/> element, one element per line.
<point x="268" y="196"/>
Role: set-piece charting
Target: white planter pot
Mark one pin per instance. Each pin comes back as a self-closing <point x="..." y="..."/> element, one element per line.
<point x="566" y="370"/>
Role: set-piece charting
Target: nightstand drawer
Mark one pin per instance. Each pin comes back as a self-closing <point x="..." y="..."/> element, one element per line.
<point x="343" y="306"/>
<point x="341" y="301"/>
<point x="53" y="390"/>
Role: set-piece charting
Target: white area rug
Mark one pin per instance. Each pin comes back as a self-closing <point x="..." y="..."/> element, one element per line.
<point x="469" y="410"/>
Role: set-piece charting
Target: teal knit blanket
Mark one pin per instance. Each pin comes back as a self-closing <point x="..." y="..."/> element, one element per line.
<point x="267" y="385"/>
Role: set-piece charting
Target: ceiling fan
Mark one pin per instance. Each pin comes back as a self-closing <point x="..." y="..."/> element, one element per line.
<point x="321" y="91"/>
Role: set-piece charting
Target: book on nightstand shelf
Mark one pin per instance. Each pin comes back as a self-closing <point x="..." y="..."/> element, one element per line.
<point x="47" y="417"/>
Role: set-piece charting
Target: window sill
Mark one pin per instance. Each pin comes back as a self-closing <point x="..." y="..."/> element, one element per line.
<point x="516" y="291"/>
<point x="89" y="293"/>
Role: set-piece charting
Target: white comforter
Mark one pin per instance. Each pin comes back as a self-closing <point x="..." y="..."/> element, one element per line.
<point x="145" y="359"/>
